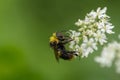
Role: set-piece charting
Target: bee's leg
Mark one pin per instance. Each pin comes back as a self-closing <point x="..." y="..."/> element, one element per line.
<point x="73" y="52"/>
<point x="67" y="41"/>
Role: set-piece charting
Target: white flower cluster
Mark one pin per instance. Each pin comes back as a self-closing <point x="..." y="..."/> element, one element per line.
<point x="110" y="54"/>
<point x="91" y="31"/>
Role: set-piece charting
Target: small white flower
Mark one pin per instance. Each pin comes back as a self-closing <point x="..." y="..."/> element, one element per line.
<point x="79" y="22"/>
<point x="101" y="26"/>
<point x="75" y="36"/>
<point x="85" y="53"/>
<point x="72" y="43"/>
<point x="92" y="15"/>
<point x="89" y="32"/>
<point x="105" y="27"/>
<point x="100" y="37"/>
<point x="88" y="46"/>
<point x="109" y="28"/>
<point x="101" y="13"/>
<point x="77" y="49"/>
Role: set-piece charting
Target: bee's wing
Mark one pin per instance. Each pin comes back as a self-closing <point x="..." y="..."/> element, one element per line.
<point x="56" y="55"/>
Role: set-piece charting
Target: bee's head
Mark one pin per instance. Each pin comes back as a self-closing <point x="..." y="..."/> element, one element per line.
<point x="54" y="39"/>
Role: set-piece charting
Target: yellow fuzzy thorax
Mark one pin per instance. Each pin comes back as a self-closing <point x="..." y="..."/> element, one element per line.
<point x="53" y="38"/>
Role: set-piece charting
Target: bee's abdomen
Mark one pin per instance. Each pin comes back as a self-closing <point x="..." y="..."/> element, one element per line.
<point x="66" y="56"/>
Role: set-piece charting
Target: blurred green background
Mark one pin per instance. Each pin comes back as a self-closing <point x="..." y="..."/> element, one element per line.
<point x="25" y="28"/>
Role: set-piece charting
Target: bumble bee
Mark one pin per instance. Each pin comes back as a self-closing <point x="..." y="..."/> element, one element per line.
<point x="57" y="43"/>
